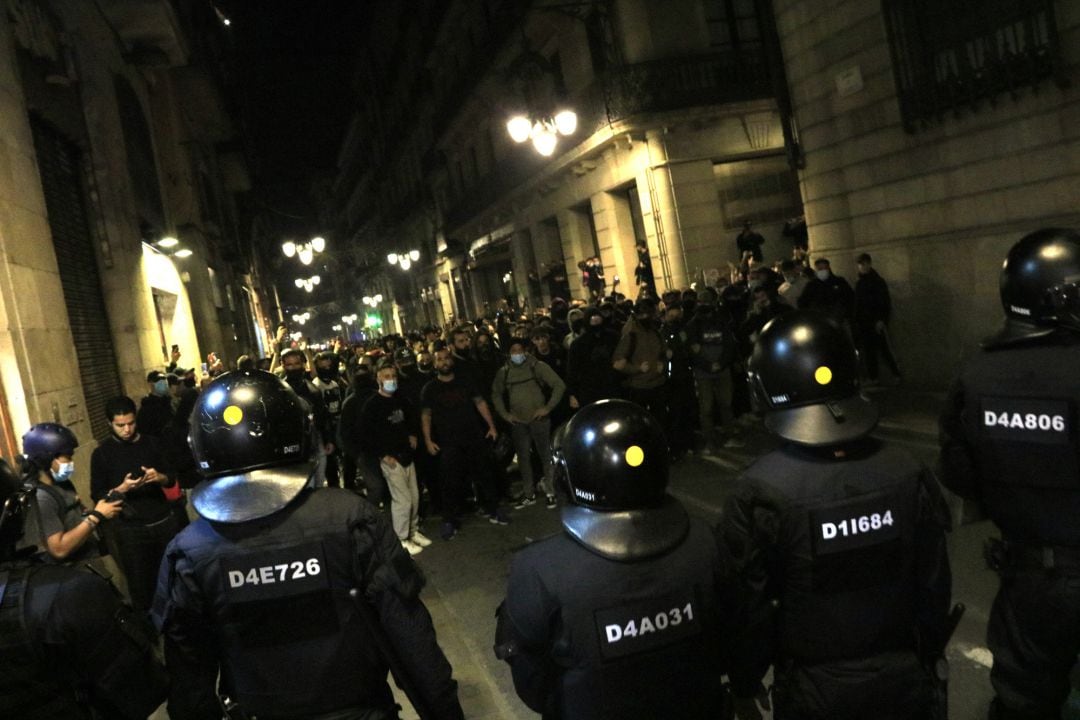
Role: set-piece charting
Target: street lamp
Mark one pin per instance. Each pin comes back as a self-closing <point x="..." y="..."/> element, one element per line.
<point x="301" y="317"/>
<point x="308" y="283"/>
<point x="306" y="251"/>
<point x="403" y="260"/>
<point x="349" y="319"/>
<point x="373" y="301"/>
<point x="544" y="131"/>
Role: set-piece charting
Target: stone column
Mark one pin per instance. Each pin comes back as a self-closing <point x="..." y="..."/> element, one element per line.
<point x="577" y="244"/>
<point x="615" y="232"/>
<point x="681" y="212"/>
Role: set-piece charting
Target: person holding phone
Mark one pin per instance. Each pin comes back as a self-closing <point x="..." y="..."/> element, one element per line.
<point x="133" y="468"/>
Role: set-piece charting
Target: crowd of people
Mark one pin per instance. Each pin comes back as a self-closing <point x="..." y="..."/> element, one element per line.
<point x="829" y="564"/>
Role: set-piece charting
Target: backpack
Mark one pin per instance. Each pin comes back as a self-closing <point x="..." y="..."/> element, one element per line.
<point x="544" y="388"/>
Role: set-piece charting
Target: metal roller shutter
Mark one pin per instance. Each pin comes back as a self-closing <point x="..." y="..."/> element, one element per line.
<point x="60" y="165"/>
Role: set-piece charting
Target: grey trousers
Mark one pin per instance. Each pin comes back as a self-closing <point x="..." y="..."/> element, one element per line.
<point x="534" y="434"/>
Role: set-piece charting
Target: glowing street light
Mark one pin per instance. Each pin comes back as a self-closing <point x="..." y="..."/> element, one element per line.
<point x="403" y="260"/>
<point x="544" y="131"/>
<point x="306" y="252"/>
<point x="519" y="128"/>
<point x="168" y="242"/>
<point x="182" y="253"/>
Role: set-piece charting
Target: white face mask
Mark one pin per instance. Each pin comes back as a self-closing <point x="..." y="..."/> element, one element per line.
<point x="822" y="274"/>
<point x="517" y="358"/>
<point x="64" y="472"/>
<point x="389" y="386"/>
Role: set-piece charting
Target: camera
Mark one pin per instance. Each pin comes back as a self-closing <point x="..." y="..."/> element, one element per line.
<point x="114" y="496"/>
<point x="137" y="474"/>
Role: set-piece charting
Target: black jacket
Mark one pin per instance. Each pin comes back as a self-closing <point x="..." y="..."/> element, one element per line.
<point x="267" y="604"/>
<point x="593" y="638"/>
<point x="67" y="642"/>
<point x="1009" y="438"/>
<point x="872" y="302"/>
<point x="840" y="562"/>
<point x="833" y="297"/>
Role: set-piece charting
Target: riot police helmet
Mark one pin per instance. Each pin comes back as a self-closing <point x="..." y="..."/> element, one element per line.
<point x="804" y="377"/>
<point x="1040" y="286"/>
<point x="614" y="460"/>
<point x="253" y="443"/>
<point x="47" y="441"/>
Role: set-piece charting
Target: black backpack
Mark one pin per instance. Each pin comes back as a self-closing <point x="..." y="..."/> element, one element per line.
<point x="544" y="388"/>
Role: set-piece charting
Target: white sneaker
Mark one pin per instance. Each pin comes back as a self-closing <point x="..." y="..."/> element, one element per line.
<point x="412" y="547"/>
<point x="418" y="538"/>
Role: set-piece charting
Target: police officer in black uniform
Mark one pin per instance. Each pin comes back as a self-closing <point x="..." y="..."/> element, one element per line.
<point x="69" y="648"/>
<point x="1009" y="440"/>
<point x="301" y="598"/>
<point x="839" y="543"/>
<point x="619" y="615"/>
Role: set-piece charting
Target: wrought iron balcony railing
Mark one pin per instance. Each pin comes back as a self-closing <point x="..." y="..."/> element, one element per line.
<point x="627" y="92"/>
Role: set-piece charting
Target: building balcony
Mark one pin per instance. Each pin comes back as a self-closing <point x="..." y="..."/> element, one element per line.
<point x="624" y="95"/>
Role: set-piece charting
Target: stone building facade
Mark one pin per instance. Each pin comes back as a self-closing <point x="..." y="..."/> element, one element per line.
<point x="115" y="136"/>
<point x="931" y="135"/>
<point x="935" y="136"/>
<point x="679" y="140"/>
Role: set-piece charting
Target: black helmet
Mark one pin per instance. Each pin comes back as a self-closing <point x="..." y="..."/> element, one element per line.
<point x="252" y="440"/>
<point x="45" y="441"/>
<point x="15" y="494"/>
<point x="804" y="376"/>
<point x="1040" y="286"/>
<point x="615" y="456"/>
<point x="615" y="459"/>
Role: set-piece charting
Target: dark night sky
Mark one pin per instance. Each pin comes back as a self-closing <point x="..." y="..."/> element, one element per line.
<point x="295" y="61"/>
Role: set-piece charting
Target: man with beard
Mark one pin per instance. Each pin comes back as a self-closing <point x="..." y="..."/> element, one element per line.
<point x="452" y="430"/>
<point x="589" y="375"/>
<point x="294" y="365"/>
<point x="132" y="467"/>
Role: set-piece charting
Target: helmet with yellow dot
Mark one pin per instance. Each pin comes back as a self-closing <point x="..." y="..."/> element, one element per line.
<point x="615" y="457"/>
<point x="804" y="377"/>
<point x="252" y="440"/>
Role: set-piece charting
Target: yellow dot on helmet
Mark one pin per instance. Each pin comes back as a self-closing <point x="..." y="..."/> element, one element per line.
<point x="823" y="375"/>
<point x="634" y="456"/>
<point x="232" y="415"/>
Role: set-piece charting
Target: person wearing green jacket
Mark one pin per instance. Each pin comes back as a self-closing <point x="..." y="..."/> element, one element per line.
<point x="524" y="393"/>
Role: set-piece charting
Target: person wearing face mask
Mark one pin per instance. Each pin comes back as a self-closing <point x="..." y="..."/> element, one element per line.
<point x="524" y="393"/>
<point x="331" y="388"/>
<point x="589" y="375"/>
<point x="389" y="429"/>
<point x="156" y="409"/>
<point x="61" y="528"/>
<point x="828" y="294"/>
<point x="361" y="388"/>
<point x="641" y="357"/>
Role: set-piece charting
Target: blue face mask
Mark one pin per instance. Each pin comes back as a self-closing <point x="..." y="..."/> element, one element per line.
<point x="161" y="387"/>
<point x="517" y="358"/>
<point x="389" y="386"/>
<point x="64" y="472"/>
